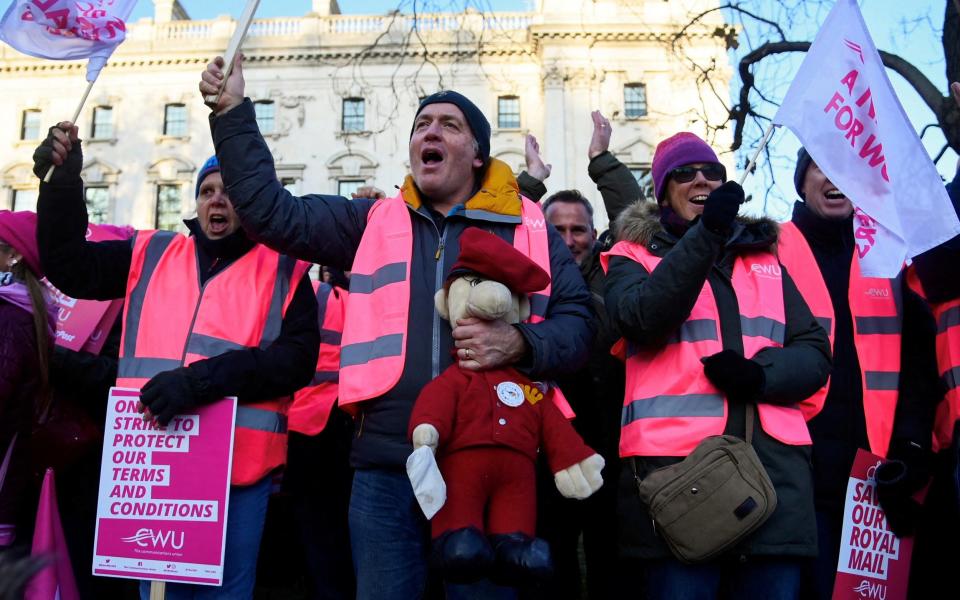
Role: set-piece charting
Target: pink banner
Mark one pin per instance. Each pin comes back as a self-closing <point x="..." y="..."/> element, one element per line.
<point x="873" y="563"/>
<point x="162" y="509"/>
<point x="84" y="324"/>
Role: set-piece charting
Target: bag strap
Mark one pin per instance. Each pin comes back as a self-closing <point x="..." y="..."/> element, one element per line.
<point x="748" y="422"/>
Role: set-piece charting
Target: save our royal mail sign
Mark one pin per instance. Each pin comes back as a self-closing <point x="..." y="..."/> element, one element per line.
<point x="162" y="507"/>
<point x="874" y="563"/>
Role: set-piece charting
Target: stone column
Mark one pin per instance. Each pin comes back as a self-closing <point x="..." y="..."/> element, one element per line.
<point x="554" y="144"/>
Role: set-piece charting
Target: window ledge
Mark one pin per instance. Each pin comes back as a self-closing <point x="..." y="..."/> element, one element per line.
<point x="173" y="138"/>
<point x="111" y="140"/>
<point x="34" y="142"/>
<point x="363" y="133"/>
<point x="509" y="130"/>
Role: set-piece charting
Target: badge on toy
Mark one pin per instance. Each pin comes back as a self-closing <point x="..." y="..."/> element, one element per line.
<point x="487" y="427"/>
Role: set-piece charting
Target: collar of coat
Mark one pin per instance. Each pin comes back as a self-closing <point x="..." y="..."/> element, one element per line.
<point x="640" y="223"/>
<point x="497" y="200"/>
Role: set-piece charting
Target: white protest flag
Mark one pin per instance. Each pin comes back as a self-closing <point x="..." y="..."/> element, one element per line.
<point x="67" y="29"/>
<point x="842" y="107"/>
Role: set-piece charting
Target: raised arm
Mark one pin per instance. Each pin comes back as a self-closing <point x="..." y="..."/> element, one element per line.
<point x="315" y="228"/>
<point x="617" y="185"/>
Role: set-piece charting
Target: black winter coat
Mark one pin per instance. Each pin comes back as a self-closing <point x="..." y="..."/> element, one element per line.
<point x="328" y="230"/>
<point x="648" y="308"/>
<point x="99" y="270"/>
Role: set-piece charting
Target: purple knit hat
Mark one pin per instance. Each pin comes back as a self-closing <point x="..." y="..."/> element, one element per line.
<point x="677" y="150"/>
<point x="19" y="230"/>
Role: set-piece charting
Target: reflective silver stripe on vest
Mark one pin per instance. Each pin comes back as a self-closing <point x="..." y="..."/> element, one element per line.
<point x="764" y="327"/>
<point x="207" y="345"/>
<point x="825" y="322"/>
<point x="325" y="377"/>
<point x="949" y="318"/>
<point x="882" y="380"/>
<point x="281" y="288"/>
<point x="323" y="294"/>
<point x="695" y="330"/>
<point x="363" y="352"/>
<point x="145" y="368"/>
<point x="538" y="304"/>
<point x="878" y="325"/>
<point x="152" y="255"/>
<point x="951" y="377"/>
<point x="384" y="276"/>
<point x="261" y="420"/>
<point x="661" y="407"/>
<point x="331" y="337"/>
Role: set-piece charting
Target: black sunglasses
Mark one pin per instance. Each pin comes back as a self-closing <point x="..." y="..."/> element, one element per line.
<point x="711" y="172"/>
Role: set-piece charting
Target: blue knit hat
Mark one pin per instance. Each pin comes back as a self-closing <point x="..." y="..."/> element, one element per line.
<point x="475" y="119"/>
<point x="211" y="166"/>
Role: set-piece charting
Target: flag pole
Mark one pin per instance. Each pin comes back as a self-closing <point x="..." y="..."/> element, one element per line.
<point x="756" y="155"/>
<point x="158" y="590"/>
<point x="76" y="115"/>
<point x="233" y="48"/>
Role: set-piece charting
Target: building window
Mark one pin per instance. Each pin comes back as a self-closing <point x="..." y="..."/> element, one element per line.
<point x="30" y="126"/>
<point x="98" y="204"/>
<point x="175" y="120"/>
<point x="345" y="187"/>
<point x="102" y="123"/>
<point x="25" y="199"/>
<point x="644" y="179"/>
<point x="265" y="110"/>
<point x="508" y="112"/>
<point x="635" y="100"/>
<point x="353" y="110"/>
<point x="168" y="207"/>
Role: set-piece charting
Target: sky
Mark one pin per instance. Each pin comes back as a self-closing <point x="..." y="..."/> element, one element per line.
<point x="909" y="28"/>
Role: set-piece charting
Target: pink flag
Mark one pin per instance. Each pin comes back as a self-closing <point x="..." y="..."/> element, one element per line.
<point x="55" y="581"/>
<point x="842" y="107"/>
<point x="67" y="29"/>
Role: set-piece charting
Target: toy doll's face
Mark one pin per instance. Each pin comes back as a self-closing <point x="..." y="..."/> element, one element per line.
<point x="474" y="296"/>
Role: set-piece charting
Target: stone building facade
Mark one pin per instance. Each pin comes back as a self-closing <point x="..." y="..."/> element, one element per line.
<point x="336" y="95"/>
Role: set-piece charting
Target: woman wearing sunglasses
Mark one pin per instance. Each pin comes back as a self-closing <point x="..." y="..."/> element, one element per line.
<point x="713" y="323"/>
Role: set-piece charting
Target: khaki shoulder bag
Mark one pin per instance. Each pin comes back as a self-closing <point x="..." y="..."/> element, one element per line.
<point x="712" y="499"/>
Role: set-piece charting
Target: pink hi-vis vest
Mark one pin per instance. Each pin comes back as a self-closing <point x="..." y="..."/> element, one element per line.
<point x="374" y="334"/>
<point x="670" y="406"/>
<point x="947" y="317"/>
<point x="875" y="305"/>
<point x="312" y="405"/>
<point x="170" y="320"/>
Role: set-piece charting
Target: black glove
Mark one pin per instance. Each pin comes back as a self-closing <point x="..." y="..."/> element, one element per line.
<point x="741" y="379"/>
<point x="68" y="172"/>
<point x="721" y="208"/>
<point x="905" y="472"/>
<point x="171" y="393"/>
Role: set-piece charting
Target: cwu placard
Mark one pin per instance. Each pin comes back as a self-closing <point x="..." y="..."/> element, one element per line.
<point x="874" y="563"/>
<point x="162" y="506"/>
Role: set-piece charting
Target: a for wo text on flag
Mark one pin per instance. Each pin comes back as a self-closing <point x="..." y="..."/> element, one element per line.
<point x="67" y="29"/>
<point x="844" y="110"/>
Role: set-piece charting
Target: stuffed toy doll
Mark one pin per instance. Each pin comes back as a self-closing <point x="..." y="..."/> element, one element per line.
<point x="487" y="427"/>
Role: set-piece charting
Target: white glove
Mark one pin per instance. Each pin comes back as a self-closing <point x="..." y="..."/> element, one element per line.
<point x="582" y="479"/>
<point x="426" y="434"/>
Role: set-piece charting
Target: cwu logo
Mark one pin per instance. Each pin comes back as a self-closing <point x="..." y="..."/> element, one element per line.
<point x="156" y="539"/>
<point x="866" y="589"/>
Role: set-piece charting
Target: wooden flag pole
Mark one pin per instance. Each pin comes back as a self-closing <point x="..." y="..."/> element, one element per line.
<point x="76" y="115"/>
<point x="756" y="155"/>
<point x="158" y="590"/>
<point x="239" y="34"/>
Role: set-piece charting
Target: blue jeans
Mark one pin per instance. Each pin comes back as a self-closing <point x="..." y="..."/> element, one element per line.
<point x="246" y="515"/>
<point x="389" y="535"/>
<point x="756" y="579"/>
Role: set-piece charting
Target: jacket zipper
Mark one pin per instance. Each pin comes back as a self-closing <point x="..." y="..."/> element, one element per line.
<point x="437" y="284"/>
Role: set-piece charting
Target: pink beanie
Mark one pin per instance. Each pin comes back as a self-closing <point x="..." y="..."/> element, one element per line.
<point x="678" y="150"/>
<point x="19" y="230"/>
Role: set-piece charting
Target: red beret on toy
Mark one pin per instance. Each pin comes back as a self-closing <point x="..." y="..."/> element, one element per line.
<point x="487" y="255"/>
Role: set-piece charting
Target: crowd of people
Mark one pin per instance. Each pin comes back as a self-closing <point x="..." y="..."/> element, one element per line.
<point x="685" y="320"/>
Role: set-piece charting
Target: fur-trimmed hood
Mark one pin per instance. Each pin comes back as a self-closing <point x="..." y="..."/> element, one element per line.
<point x="640" y="223"/>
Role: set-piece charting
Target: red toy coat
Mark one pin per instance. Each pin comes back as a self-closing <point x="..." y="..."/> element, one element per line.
<point x="486" y="421"/>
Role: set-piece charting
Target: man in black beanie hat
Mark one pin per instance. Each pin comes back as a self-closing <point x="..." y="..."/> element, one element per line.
<point x="400" y="251"/>
<point x="884" y="384"/>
